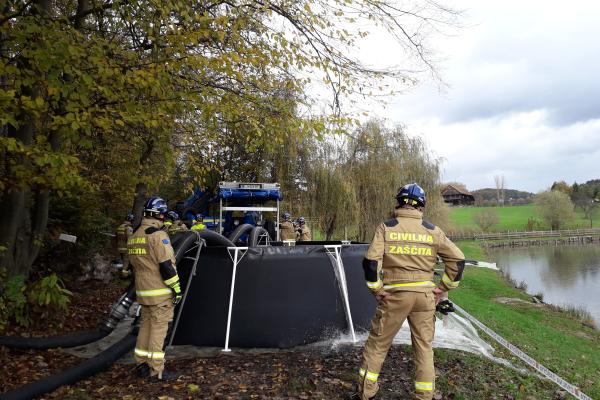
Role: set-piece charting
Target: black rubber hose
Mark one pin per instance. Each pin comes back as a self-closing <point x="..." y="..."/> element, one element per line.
<point x="74" y="339"/>
<point x="239" y="231"/>
<point x="255" y="235"/>
<point x="74" y="374"/>
<point x="214" y="239"/>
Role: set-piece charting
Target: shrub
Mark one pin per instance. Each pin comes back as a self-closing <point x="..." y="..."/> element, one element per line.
<point x="48" y="297"/>
<point x="13" y="302"/>
<point x="23" y="304"/>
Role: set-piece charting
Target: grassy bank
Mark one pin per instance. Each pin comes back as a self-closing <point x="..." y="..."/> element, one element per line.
<point x="513" y="218"/>
<point x="554" y="338"/>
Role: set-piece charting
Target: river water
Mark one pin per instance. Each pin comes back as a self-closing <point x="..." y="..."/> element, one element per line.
<point x="566" y="275"/>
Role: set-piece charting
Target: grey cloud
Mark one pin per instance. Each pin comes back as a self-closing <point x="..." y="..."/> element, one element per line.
<point x="519" y="63"/>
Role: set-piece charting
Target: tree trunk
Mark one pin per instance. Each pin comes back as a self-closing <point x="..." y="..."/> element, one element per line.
<point x="141" y="191"/>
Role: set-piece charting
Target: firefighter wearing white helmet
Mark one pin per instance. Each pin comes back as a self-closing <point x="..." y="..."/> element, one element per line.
<point x="157" y="288"/>
<point x="399" y="270"/>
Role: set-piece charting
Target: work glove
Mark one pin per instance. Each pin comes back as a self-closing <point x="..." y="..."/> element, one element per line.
<point x="445" y="307"/>
<point x="176" y="289"/>
<point x="125" y="273"/>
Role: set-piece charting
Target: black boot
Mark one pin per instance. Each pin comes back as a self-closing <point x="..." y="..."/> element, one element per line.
<point x="142" y="370"/>
<point x="165" y="376"/>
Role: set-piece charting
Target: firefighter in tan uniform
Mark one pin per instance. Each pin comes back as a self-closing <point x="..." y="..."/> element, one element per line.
<point x="122" y="234"/>
<point x="157" y="289"/>
<point x="304" y="233"/>
<point x="399" y="271"/>
<point x="287" y="231"/>
<point x="173" y="224"/>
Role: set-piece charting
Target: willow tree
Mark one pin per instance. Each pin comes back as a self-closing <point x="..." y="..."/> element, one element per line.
<point x="362" y="177"/>
<point x="112" y="94"/>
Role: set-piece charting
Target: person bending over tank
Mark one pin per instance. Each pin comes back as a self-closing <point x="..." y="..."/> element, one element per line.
<point x="286" y="228"/>
<point x="157" y="289"/>
<point x="304" y="234"/>
<point x="404" y="250"/>
<point x="173" y="224"/>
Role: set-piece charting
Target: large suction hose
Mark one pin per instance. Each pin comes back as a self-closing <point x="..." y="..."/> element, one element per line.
<point x="117" y="313"/>
<point x="239" y="231"/>
<point x="255" y="236"/>
<point x="74" y="374"/>
<point x="214" y="239"/>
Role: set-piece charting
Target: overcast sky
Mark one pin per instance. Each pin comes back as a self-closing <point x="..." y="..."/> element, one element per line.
<point x="523" y="98"/>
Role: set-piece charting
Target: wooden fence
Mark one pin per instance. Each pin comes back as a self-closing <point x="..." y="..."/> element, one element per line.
<point x="565" y="233"/>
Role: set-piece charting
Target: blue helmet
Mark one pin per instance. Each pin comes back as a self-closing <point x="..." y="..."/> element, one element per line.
<point x="301" y="220"/>
<point x="130" y="217"/>
<point x="172" y="215"/>
<point x="287" y="216"/>
<point x="155" y="207"/>
<point x="200" y="217"/>
<point x="412" y="194"/>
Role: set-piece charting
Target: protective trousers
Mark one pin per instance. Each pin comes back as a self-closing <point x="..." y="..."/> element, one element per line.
<point x="419" y="309"/>
<point x="150" y="344"/>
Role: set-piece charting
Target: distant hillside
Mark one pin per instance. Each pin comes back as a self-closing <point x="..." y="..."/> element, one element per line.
<point x="487" y="196"/>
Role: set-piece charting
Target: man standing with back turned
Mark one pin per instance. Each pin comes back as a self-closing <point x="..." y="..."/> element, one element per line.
<point x="156" y="286"/>
<point x="399" y="268"/>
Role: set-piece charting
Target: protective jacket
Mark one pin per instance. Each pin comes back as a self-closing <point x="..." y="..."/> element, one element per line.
<point x="153" y="260"/>
<point x="123" y="232"/>
<point x="304" y="234"/>
<point x="174" y="227"/>
<point x="404" y="252"/>
<point x="286" y="231"/>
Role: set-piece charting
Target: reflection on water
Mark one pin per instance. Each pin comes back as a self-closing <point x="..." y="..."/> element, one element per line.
<point x="566" y="275"/>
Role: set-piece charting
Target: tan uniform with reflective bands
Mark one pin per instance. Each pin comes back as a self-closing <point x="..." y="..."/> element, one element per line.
<point x="123" y="232"/>
<point x="304" y="234"/>
<point x="287" y="231"/>
<point x="406" y="249"/>
<point x="174" y="227"/>
<point x="146" y="251"/>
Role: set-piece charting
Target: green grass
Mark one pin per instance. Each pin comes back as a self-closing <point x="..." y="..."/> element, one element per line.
<point x="513" y="218"/>
<point x="552" y="337"/>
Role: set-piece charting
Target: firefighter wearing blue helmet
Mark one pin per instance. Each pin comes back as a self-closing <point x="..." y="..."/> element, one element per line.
<point x="399" y="272"/>
<point x="157" y="288"/>
<point x="173" y="224"/>
<point x="304" y="233"/>
<point x="198" y="222"/>
<point x="286" y="227"/>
